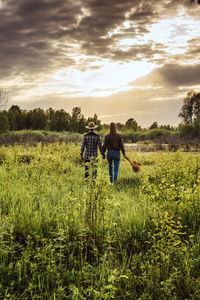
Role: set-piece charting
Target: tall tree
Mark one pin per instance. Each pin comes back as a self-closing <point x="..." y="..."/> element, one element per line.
<point x="14" y="117"/>
<point x="81" y="125"/>
<point x="76" y="112"/>
<point x="154" y="125"/>
<point x="120" y="126"/>
<point x="60" y="121"/>
<point x="196" y="107"/>
<point x="190" y="110"/>
<point x="38" y="119"/>
<point x="131" y="124"/>
<point x="4" y="124"/>
<point x="77" y="119"/>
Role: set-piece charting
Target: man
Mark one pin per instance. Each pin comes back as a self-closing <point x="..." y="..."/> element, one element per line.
<point x="91" y="142"/>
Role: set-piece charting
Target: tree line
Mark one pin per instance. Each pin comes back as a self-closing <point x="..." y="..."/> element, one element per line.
<point x="59" y="120"/>
<point x="16" y="118"/>
<point x="37" y="119"/>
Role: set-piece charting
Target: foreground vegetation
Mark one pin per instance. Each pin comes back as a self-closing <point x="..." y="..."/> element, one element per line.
<point x="63" y="238"/>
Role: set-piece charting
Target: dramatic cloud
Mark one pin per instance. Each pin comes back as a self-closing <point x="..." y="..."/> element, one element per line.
<point x="171" y="75"/>
<point x="39" y="35"/>
<point x="55" y="49"/>
<point x="31" y="35"/>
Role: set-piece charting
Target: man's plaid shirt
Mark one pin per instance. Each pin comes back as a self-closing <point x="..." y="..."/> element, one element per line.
<point x="91" y="141"/>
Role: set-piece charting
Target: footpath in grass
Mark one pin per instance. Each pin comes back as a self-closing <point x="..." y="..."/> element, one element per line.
<point x="63" y="238"/>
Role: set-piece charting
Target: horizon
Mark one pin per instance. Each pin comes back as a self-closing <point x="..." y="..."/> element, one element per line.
<point x="91" y="116"/>
<point x="120" y="60"/>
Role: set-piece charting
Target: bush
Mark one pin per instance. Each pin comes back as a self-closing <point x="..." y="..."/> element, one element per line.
<point x="32" y="137"/>
<point x="187" y="131"/>
<point x="158" y="135"/>
<point x="190" y="133"/>
<point x="132" y="136"/>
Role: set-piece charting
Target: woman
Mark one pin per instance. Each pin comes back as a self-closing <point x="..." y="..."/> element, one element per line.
<point x="113" y="143"/>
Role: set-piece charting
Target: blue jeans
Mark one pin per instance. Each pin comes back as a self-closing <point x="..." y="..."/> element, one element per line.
<point x="113" y="156"/>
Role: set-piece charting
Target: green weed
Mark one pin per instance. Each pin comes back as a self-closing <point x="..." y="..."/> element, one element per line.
<point x="62" y="237"/>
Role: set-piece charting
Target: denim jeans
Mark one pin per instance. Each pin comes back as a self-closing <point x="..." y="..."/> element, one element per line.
<point x="113" y="157"/>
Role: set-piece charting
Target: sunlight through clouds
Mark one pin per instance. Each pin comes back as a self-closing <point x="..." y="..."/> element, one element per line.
<point x="111" y="52"/>
<point x="174" y="33"/>
<point x="110" y="78"/>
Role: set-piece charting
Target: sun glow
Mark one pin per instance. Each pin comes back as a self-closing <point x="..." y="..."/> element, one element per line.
<point x="98" y="77"/>
<point x="174" y="33"/>
<point x="171" y="34"/>
<point x="93" y="76"/>
<point x="106" y="80"/>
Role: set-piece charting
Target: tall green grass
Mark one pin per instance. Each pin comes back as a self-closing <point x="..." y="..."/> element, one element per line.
<point x="64" y="238"/>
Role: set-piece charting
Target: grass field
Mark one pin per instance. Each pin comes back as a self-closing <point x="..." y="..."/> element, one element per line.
<point x="63" y="238"/>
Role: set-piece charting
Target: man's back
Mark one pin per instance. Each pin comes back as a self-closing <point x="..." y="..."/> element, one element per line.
<point x="91" y="142"/>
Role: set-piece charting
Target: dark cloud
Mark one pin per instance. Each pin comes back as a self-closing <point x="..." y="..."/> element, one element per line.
<point x="107" y="15"/>
<point x="37" y="36"/>
<point x="30" y="35"/>
<point x="149" y="12"/>
<point x="172" y="75"/>
<point x="193" y="49"/>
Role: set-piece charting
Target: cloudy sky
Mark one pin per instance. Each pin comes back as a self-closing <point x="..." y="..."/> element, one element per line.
<point x="118" y="58"/>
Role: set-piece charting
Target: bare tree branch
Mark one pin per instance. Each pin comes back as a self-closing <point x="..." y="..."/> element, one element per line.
<point x="3" y="98"/>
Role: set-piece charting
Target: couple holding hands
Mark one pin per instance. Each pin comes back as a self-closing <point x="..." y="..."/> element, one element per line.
<point x="113" y="143"/>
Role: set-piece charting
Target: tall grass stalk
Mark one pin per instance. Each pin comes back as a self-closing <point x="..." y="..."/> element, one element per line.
<point x="64" y="238"/>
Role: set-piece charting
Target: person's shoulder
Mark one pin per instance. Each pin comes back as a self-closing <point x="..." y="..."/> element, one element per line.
<point x="91" y="133"/>
<point x="119" y="135"/>
<point x="107" y="135"/>
<point x="86" y="135"/>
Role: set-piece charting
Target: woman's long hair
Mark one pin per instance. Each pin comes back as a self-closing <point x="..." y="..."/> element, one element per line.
<point x="113" y="135"/>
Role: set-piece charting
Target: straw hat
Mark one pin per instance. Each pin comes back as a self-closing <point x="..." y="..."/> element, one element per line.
<point x="91" y="125"/>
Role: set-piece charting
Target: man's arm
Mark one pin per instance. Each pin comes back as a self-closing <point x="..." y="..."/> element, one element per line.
<point x="82" y="147"/>
<point x="100" y="147"/>
<point x="105" y="144"/>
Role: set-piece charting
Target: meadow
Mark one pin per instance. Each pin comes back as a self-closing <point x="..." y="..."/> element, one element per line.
<point x="64" y="238"/>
